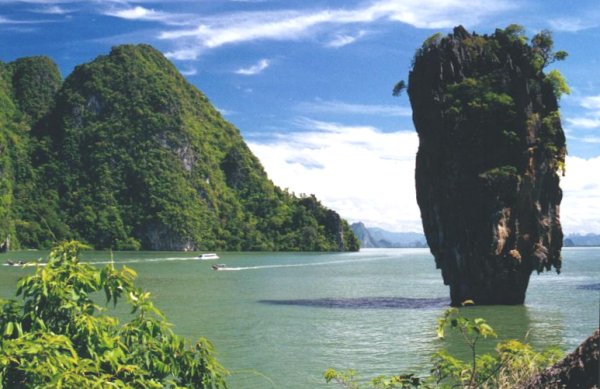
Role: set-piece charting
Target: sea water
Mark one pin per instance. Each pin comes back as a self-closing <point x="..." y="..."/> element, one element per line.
<point x="280" y="319"/>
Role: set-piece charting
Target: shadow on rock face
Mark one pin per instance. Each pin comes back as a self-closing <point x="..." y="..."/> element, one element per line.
<point x="366" y="303"/>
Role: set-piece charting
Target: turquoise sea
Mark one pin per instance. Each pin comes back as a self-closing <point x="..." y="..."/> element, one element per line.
<point x="280" y="319"/>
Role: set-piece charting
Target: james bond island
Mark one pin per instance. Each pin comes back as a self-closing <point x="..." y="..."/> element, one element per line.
<point x="491" y="150"/>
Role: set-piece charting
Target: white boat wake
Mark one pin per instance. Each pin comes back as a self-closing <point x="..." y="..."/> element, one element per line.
<point x="259" y="267"/>
<point x="304" y="264"/>
<point x="144" y="260"/>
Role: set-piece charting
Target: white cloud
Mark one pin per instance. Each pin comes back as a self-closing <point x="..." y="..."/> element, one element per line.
<point x="590" y="119"/>
<point x="38" y="1"/>
<point x="52" y="10"/>
<point x="591" y="102"/>
<point x="590" y="139"/>
<point x="363" y="173"/>
<point x="294" y="25"/>
<point x="575" y="24"/>
<point x="150" y="15"/>
<point x="342" y="40"/>
<point x="368" y="175"/>
<point x="580" y="208"/>
<point x="339" y="107"/>
<point x="137" y="13"/>
<point x="189" y="71"/>
<point x="4" y="20"/>
<point x="225" y="112"/>
<point x="185" y="54"/>
<point x="584" y="122"/>
<point x="570" y="25"/>
<point x="254" y="69"/>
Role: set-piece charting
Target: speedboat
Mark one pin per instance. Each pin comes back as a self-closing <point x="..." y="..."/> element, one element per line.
<point x="207" y="256"/>
<point x="15" y="263"/>
<point x="218" y="266"/>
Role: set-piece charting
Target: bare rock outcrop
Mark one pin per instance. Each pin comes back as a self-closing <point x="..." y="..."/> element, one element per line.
<point x="578" y="370"/>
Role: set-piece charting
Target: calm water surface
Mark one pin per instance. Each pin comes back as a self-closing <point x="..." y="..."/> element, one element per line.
<point x="280" y="319"/>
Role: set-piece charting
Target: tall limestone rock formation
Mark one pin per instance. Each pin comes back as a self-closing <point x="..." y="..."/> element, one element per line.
<point x="491" y="145"/>
<point x="126" y="154"/>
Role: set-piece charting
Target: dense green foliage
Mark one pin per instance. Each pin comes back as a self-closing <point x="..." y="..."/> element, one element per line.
<point x="59" y="337"/>
<point x="35" y="83"/>
<point x="128" y="155"/>
<point x="6" y="165"/>
<point x="484" y="101"/>
<point x="27" y="87"/>
<point x="512" y="364"/>
<point x="27" y="90"/>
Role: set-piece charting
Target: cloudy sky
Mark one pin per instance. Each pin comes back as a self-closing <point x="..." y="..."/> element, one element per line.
<point x="308" y="82"/>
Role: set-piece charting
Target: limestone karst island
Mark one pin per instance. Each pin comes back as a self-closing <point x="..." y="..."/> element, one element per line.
<point x="125" y="154"/>
<point x="490" y="153"/>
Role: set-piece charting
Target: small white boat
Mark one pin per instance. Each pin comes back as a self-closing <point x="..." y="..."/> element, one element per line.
<point x="219" y="266"/>
<point x="207" y="256"/>
<point x="15" y="263"/>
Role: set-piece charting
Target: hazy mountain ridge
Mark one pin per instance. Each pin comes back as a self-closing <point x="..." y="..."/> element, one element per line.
<point x="582" y="240"/>
<point x="374" y="237"/>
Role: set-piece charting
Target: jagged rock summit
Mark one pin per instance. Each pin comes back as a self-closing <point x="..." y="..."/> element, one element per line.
<point x="363" y="235"/>
<point x="491" y="145"/>
<point x="126" y="154"/>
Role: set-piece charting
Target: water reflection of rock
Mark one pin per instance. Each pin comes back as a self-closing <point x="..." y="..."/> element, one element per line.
<point x="589" y="287"/>
<point x="366" y="302"/>
<point x="535" y="326"/>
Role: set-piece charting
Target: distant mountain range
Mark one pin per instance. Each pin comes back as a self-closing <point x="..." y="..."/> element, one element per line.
<point x="374" y="237"/>
<point x="575" y="240"/>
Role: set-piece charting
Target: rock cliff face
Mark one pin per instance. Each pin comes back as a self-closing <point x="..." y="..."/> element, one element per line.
<point x="491" y="144"/>
<point x="580" y="369"/>
<point x="363" y="235"/>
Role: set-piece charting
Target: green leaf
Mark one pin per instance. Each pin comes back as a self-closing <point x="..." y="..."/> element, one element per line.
<point x="8" y="331"/>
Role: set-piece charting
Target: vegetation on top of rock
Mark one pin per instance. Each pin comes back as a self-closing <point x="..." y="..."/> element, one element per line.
<point x="127" y="155"/>
<point x="35" y="83"/>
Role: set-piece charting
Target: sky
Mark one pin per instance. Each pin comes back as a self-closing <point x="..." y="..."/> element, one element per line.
<point x="309" y="82"/>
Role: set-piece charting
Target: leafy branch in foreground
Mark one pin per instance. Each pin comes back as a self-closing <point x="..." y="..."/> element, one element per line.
<point x="512" y="364"/>
<point x="59" y="337"/>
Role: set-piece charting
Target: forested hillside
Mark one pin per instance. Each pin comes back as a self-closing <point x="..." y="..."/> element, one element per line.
<point x="126" y="154"/>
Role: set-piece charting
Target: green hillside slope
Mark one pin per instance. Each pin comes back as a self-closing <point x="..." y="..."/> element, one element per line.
<point x="132" y="156"/>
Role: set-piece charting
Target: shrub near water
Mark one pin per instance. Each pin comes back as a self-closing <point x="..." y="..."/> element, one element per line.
<point x="512" y="364"/>
<point x="58" y="337"/>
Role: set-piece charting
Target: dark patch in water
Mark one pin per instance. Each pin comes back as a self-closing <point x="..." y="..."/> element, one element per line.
<point x="366" y="303"/>
<point x="589" y="287"/>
